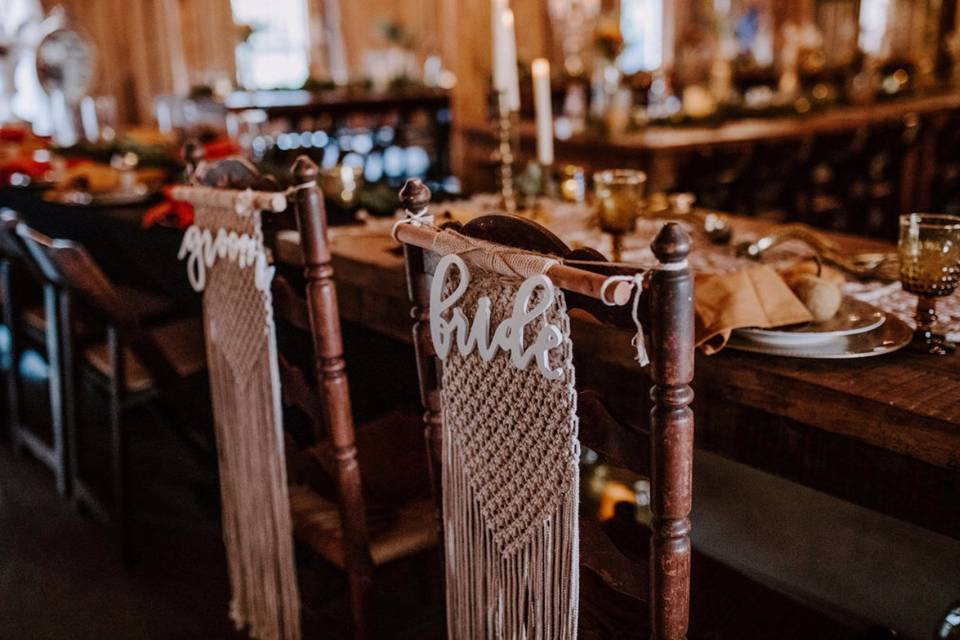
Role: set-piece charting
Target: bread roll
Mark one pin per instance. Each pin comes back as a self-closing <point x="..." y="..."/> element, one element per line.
<point x="820" y="297"/>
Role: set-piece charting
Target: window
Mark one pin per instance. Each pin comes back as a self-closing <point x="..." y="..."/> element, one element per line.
<point x="641" y="22"/>
<point x="873" y="25"/>
<point x="276" y="53"/>
<point x="20" y="89"/>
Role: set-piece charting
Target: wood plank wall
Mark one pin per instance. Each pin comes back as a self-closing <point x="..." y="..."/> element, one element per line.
<point x="151" y="47"/>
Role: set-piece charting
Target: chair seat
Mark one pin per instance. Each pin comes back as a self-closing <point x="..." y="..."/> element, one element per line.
<point x="404" y="530"/>
<point x="149" y="307"/>
<point x="180" y="341"/>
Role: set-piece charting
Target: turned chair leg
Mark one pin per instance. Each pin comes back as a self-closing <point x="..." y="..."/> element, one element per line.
<point x="53" y="303"/>
<point x="361" y="591"/>
<point x="119" y="449"/>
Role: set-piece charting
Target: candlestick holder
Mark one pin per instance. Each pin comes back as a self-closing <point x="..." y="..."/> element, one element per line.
<point x="505" y="138"/>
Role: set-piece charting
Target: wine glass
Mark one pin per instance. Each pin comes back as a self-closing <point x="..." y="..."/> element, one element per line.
<point x="929" y="253"/>
<point x="619" y="202"/>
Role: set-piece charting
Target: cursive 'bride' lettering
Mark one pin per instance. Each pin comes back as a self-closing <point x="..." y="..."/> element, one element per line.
<point x="508" y="336"/>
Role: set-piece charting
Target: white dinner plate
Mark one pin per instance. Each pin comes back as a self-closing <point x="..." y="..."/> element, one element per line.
<point x="853" y="317"/>
<point x="890" y="336"/>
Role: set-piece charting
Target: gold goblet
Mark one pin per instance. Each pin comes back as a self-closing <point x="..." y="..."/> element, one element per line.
<point x="929" y="253"/>
<point x="619" y="202"/>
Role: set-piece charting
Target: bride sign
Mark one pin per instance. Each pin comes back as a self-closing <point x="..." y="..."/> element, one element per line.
<point x="509" y="334"/>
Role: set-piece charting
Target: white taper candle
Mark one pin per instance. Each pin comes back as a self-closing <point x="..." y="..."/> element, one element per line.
<point x="511" y="77"/>
<point x="544" y="110"/>
<point x="497" y="7"/>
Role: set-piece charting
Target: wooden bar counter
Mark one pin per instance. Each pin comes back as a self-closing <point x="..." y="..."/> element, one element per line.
<point x="913" y="135"/>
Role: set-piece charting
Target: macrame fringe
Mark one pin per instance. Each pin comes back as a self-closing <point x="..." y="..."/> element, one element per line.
<point x="245" y="393"/>
<point x="532" y="593"/>
<point x="254" y="496"/>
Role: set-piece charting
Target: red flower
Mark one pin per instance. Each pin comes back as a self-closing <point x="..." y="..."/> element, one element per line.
<point x="170" y="212"/>
<point x="220" y="148"/>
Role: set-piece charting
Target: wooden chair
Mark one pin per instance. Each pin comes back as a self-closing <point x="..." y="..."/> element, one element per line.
<point x="351" y="505"/>
<point x="36" y="325"/>
<point x="377" y="524"/>
<point x="613" y="417"/>
<point x="136" y="363"/>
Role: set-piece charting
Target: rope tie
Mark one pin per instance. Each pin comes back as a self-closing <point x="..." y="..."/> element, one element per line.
<point x="673" y="266"/>
<point x="243" y="204"/>
<point x="638" y="341"/>
<point x="299" y="187"/>
<point x="421" y="218"/>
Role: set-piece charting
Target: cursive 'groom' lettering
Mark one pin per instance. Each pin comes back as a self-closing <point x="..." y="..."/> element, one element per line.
<point x="202" y="250"/>
<point x="445" y="328"/>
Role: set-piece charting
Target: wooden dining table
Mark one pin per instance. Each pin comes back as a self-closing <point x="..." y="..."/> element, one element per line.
<point x="882" y="432"/>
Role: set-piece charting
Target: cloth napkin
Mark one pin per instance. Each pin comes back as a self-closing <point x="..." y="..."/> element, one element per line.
<point x="754" y="297"/>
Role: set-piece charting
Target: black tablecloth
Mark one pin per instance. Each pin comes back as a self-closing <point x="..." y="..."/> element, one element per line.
<point x="127" y="253"/>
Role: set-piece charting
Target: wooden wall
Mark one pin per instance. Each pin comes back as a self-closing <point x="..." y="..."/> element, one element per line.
<point x="151" y="47"/>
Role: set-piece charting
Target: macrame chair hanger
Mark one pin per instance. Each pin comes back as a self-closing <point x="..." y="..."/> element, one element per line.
<point x="669" y="287"/>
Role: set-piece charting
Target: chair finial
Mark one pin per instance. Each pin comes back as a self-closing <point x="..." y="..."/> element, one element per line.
<point x="672" y="244"/>
<point x="193" y="154"/>
<point x="305" y="170"/>
<point x="415" y="195"/>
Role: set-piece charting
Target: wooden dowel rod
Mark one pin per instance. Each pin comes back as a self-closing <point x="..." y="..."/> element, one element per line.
<point x="570" y="278"/>
<point x="262" y="200"/>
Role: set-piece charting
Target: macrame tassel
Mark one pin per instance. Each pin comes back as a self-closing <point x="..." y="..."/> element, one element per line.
<point x="531" y="593"/>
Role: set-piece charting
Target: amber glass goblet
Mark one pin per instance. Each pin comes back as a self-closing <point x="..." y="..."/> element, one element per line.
<point x="619" y="202"/>
<point x="929" y="253"/>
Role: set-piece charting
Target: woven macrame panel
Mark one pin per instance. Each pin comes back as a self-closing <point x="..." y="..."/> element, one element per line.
<point x="510" y="474"/>
<point x="244" y="380"/>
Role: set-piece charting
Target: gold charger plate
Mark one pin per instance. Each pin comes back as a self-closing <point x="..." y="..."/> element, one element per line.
<point x="892" y="335"/>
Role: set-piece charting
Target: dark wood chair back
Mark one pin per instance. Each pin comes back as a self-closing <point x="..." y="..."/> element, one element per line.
<point x="74" y="274"/>
<point x="16" y="260"/>
<point x="651" y="439"/>
<point x="338" y="453"/>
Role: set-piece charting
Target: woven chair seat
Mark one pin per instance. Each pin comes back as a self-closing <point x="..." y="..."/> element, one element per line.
<point x="180" y="341"/>
<point x="398" y="531"/>
<point x="149" y="307"/>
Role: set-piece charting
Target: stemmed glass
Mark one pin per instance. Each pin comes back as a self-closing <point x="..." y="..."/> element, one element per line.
<point x="619" y="201"/>
<point x="929" y="253"/>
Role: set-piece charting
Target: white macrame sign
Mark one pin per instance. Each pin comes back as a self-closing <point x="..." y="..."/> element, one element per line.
<point x="510" y="448"/>
<point x="226" y="260"/>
